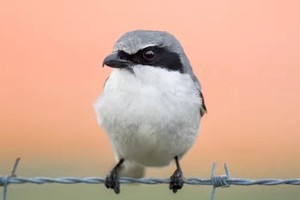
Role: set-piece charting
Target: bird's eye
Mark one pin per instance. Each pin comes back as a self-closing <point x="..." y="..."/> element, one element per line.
<point x="149" y="55"/>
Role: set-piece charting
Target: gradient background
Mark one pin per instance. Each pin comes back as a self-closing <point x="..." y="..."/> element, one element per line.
<point x="246" y="54"/>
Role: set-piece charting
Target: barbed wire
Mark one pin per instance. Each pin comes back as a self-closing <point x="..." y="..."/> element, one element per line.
<point x="215" y="181"/>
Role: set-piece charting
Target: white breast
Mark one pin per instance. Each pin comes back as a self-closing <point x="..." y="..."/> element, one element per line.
<point x="151" y="115"/>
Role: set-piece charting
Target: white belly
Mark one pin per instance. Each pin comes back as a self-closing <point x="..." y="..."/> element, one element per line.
<point x="151" y="115"/>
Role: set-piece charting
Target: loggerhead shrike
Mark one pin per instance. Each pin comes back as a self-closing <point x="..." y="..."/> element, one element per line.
<point x="151" y="105"/>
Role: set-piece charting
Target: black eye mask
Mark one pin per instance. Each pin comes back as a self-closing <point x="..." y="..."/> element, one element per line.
<point x="156" y="57"/>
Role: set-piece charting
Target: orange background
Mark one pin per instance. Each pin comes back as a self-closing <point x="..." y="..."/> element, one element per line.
<point x="245" y="53"/>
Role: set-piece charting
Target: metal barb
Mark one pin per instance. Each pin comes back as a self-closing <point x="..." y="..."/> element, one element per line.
<point x="5" y="181"/>
<point x="13" y="171"/>
<point x="213" y="171"/>
<point x="218" y="181"/>
<point x="226" y="170"/>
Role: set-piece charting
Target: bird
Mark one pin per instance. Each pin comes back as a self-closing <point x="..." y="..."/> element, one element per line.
<point x="151" y="105"/>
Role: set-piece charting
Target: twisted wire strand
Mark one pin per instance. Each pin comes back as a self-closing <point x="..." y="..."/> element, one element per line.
<point x="150" y="181"/>
<point x="215" y="181"/>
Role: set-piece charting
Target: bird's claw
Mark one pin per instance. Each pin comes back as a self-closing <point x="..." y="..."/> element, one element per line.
<point x="112" y="181"/>
<point x="176" y="181"/>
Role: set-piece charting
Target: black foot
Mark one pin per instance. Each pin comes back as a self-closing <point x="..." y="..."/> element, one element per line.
<point x="176" y="181"/>
<point x="112" y="181"/>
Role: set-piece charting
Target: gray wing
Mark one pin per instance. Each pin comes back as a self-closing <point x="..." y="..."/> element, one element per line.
<point x="105" y="81"/>
<point x="203" y="109"/>
<point x="187" y="68"/>
<point x="104" y="86"/>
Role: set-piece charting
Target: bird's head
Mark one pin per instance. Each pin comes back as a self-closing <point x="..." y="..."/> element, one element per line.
<point x="148" y="48"/>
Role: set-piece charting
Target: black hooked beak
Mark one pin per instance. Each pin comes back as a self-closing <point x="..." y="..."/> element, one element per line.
<point x="114" y="60"/>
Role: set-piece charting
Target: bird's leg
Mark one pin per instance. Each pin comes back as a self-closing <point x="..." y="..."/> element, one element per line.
<point x="177" y="179"/>
<point x="112" y="179"/>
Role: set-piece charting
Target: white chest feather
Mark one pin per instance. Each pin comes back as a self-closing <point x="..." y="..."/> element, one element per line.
<point x="150" y="115"/>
